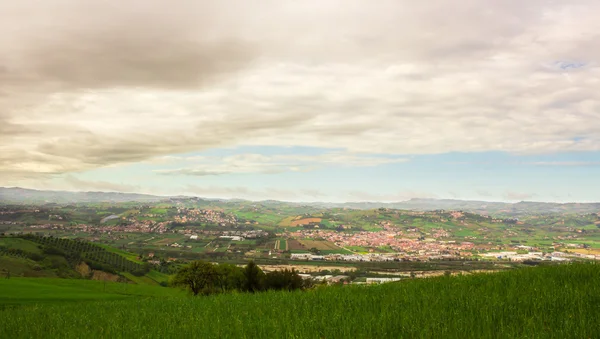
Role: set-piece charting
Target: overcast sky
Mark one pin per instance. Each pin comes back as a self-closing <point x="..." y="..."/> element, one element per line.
<point x="331" y="100"/>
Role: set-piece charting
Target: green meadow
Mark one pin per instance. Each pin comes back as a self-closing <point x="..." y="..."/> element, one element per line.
<point x="46" y="291"/>
<point x="542" y="302"/>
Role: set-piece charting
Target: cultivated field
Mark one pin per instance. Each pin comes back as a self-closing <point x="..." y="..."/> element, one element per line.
<point x="295" y="245"/>
<point x="593" y="251"/>
<point x="305" y="221"/>
<point x="319" y="245"/>
<point x="280" y="244"/>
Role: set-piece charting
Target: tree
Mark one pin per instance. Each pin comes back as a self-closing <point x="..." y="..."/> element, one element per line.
<point x="198" y="276"/>
<point x="229" y="277"/>
<point x="253" y="277"/>
<point x="284" y="280"/>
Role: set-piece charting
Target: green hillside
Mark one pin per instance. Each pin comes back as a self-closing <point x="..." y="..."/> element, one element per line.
<point x="543" y="302"/>
<point x="37" y="256"/>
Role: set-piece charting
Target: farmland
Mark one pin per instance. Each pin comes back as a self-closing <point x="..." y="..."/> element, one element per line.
<point x="550" y="302"/>
<point x="322" y="246"/>
<point x="295" y="245"/>
<point x="187" y="229"/>
<point x="280" y="244"/>
<point x="305" y="221"/>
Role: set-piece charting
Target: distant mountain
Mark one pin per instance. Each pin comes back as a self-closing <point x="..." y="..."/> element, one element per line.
<point x="28" y="196"/>
<point x="480" y="207"/>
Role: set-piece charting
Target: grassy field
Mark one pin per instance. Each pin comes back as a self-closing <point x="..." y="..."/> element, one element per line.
<point x="21" y="244"/>
<point x="542" y="302"/>
<point x="128" y="255"/>
<point x="21" y="266"/>
<point x="282" y="244"/>
<point x="143" y="280"/>
<point x="23" y="291"/>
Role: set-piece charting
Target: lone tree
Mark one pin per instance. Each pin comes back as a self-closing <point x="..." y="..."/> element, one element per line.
<point x="198" y="276"/>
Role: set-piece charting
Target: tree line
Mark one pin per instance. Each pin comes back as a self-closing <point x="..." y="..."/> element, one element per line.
<point x="205" y="278"/>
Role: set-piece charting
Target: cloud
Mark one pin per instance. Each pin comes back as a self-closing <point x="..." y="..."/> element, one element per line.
<point x="520" y="196"/>
<point x="87" y="185"/>
<point x="269" y="164"/>
<point x="90" y="84"/>
<point x="63" y="45"/>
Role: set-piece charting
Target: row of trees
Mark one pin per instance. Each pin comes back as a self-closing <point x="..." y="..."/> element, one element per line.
<point x="205" y="278"/>
<point x="97" y="257"/>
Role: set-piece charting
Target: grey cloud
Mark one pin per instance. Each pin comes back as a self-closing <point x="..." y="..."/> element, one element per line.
<point x="75" y="45"/>
<point x="88" y="84"/>
<point x="271" y="164"/>
<point x="98" y="150"/>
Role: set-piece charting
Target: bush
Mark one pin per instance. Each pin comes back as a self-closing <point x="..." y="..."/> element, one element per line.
<point x="35" y="257"/>
<point x="138" y="273"/>
<point x="50" y="250"/>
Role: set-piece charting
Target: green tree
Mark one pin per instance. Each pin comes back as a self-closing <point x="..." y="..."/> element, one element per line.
<point x="199" y="277"/>
<point x="283" y="280"/>
<point x="229" y="277"/>
<point x="253" y="277"/>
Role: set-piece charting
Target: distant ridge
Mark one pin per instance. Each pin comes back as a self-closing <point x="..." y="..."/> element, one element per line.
<point x="25" y="195"/>
<point x="17" y="195"/>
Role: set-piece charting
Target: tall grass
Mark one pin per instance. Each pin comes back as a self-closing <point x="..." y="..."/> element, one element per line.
<point x="19" y="291"/>
<point x="543" y="302"/>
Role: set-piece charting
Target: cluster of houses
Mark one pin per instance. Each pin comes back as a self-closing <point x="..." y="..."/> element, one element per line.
<point x="399" y="241"/>
<point x="186" y="215"/>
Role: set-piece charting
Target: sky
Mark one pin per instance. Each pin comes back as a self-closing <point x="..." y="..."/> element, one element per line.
<point x="315" y="100"/>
